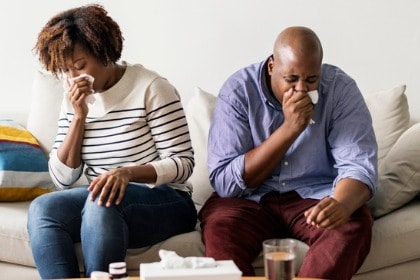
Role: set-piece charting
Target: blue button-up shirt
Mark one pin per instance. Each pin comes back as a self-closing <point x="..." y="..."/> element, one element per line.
<point x="341" y="143"/>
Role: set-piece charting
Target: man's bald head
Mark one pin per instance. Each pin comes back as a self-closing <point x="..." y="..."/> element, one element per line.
<point x="296" y="63"/>
<point x="299" y="41"/>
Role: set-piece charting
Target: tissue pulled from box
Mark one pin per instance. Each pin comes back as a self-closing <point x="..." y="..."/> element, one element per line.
<point x="68" y="82"/>
<point x="171" y="260"/>
<point x="314" y="96"/>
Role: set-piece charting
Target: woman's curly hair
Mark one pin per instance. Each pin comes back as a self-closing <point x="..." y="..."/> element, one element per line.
<point x="90" y="26"/>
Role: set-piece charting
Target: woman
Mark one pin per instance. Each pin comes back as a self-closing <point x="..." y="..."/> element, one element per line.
<point x="125" y="127"/>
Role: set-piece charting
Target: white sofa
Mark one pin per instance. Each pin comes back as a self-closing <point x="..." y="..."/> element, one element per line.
<point x="394" y="254"/>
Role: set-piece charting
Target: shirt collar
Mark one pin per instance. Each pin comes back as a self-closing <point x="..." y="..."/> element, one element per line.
<point x="265" y="88"/>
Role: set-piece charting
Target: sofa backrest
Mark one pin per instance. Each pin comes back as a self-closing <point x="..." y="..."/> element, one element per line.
<point x="389" y="110"/>
<point x="47" y="94"/>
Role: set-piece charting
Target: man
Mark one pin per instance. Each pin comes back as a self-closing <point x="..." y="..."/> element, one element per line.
<point x="283" y="166"/>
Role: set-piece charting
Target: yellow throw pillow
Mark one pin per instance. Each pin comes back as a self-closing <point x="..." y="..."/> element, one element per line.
<point x="23" y="165"/>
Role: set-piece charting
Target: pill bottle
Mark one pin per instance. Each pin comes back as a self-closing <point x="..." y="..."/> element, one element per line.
<point x="118" y="271"/>
<point x="99" y="275"/>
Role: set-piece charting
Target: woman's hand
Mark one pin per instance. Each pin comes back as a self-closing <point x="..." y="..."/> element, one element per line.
<point x="79" y="89"/>
<point x="110" y="187"/>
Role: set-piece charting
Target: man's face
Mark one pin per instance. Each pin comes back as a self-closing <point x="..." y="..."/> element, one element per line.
<point x="290" y="69"/>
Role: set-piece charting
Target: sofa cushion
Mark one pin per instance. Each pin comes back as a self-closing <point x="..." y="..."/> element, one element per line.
<point x="394" y="239"/>
<point x="15" y="245"/>
<point x="199" y="112"/>
<point x="390" y="116"/>
<point x="46" y="96"/>
<point x="23" y="166"/>
<point x="14" y="240"/>
<point x="399" y="174"/>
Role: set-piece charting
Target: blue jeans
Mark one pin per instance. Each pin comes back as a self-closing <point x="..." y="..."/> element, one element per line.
<point x="144" y="217"/>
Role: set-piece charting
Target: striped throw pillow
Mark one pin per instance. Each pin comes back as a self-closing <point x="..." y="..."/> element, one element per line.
<point x="23" y="165"/>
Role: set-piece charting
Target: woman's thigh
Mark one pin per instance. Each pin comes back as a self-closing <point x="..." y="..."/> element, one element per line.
<point x="58" y="209"/>
<point x="150" y="215"/>
<point x="158" y="213"/>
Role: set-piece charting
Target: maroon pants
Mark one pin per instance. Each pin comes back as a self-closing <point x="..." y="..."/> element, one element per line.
<point x="234" y="229"/>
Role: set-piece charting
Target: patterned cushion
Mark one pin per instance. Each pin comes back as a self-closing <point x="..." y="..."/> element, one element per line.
<point x="23" y="165"/>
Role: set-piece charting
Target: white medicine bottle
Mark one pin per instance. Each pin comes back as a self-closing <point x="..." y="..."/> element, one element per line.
<point x="118" y="271"/>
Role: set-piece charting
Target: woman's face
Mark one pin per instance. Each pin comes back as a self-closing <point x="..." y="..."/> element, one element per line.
<point x="82" y="62"/>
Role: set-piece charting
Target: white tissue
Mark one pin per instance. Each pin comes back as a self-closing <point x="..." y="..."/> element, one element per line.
<point x="170" y="260"/>
<point x="68" y="82"/>
<point x="314" y="97"/>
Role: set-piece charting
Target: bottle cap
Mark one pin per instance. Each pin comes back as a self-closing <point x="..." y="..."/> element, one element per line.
<point x="118" y="270"/>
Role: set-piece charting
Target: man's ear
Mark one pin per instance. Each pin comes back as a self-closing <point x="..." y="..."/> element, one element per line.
<point x="270" y="65"/>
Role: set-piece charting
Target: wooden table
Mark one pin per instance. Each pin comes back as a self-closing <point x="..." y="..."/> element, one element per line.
<point x="242" y="278"/>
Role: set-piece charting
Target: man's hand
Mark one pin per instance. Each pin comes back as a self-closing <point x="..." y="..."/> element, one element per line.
<point x="298" y="109"/>
<point x="328" y="214"/>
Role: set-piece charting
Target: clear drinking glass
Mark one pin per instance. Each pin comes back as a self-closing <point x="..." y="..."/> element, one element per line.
<point x="279" y="258"/>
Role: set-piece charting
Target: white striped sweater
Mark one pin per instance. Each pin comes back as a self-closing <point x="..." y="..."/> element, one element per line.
<point x="139" y="120"/>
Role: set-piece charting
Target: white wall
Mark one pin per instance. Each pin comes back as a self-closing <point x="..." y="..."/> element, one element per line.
<point x="201" y="42"/>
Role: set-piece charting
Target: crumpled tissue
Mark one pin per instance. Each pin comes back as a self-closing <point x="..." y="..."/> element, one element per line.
<point x="314" y="97"/>
<point x="170" y="259"/>
<point x="175" y="267"/>
<point x="68" y="82"/>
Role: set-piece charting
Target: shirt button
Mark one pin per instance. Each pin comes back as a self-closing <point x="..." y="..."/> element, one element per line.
<point x="283" y="184"/>
<point x="286" y="163"/>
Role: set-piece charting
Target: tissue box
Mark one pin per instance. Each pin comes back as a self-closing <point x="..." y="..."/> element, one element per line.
<point x="226" y="270"/>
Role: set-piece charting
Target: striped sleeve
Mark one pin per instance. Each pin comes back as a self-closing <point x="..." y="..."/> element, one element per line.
<point x="170" y="133"/>
<point x="62" y="175"/>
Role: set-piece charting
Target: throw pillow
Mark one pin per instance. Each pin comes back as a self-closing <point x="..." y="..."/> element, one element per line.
<point x="46" y="96"/>
<point x="399" y="174"/>
<point x="390" y="116"/>
<point x="199" y="112"/>
<point x="23" y="165"/>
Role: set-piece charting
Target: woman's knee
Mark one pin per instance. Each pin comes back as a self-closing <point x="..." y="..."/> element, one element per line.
<point x="58" y="207"/>
<point x="40" y="207"/>
<point x="99" y="217"/>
